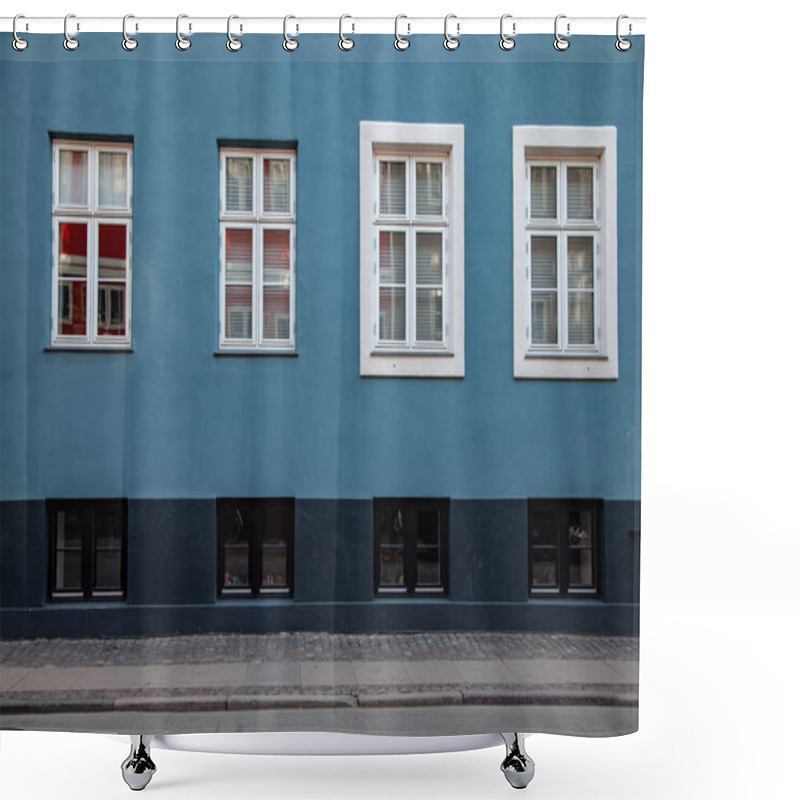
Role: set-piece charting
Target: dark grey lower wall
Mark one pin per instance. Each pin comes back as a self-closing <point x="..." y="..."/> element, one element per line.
<point x="172" y="576"/>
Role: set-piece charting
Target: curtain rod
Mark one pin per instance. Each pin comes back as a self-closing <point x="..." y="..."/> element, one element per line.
<point x="407" y="25"/>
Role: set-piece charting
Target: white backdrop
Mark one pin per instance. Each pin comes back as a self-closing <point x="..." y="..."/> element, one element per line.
<point x="720" y="697"/>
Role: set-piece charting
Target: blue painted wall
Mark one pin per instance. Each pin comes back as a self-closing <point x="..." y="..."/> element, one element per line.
<point x="170" y="420"/>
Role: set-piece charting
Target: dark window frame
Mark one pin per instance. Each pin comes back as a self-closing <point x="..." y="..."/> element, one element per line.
<point x="442" y="505"/>
<point x="563" y="507"/>
<point x="257" y="505"/>
<point x="88" y="550"/>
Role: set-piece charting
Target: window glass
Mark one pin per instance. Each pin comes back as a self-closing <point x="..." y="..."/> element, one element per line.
<point x="429" y="188"/>
<point x="113" y="180"/>
<point x="238" y="184"/>
<point x="277" y="186"/>
<point x="580" y="197"/>
<point x="393" y="188"/>
<point x="543" y="193"/>
<point x="73" y="178"/>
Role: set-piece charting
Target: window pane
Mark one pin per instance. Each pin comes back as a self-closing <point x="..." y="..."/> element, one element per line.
<point x="544" y="250"/>
<point x="544" y="528"/>
<point x="112" y="251"/>
<point x="580" y="262"/>
<point x="277" y="256"/>
<point x="69" y="539"/>
<point x="581" y="318"/>
<point x="392" y="546"/>
<point x="238" y="312"/>
<point x="544" y="572"/>
<point x="392" y="324"/>
<point x="236" y="546"/>
<point x="580" y="528"/>
<point x="72" y="249"/>
<point x="72" y="308"/>
<point x="580" y="569"/>
<point x="392" y="255"/>
<point x="429" y="315"/>
<point x="274" y="566"/>
<point x="429" y="571"/>
<point x="393" y="187"/>
<point x="276" y="322"/>
<point x="108" y="570"/>
<point x="428" y="527"/>
<point x="111" y="309"/>
<point x="429" y="259"/>
<point x="429" y="188"/>
<point x="277" y="186"/>
<point x="544" y="318"/>
<point x="238" y="255"/>
<point x="543" y="193"/>
<point x="239" y="184"/>
<point x="113" y="180"/>
<point x="73" y="178"/>
<point x="580" y="198"/>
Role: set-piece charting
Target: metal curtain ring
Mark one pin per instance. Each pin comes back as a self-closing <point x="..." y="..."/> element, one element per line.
<point x="181" y="42"/>
<point x="400" y="42"/>
<point x="622" y="44"/>
<point x="289" y="44"/>
<point x="128" y="42"/>
<point x="233" y="44"/>
<point x="560" y="43"/>
<point x="70" y="42"/>
<point x="451" y="42"/>
<point x="345" y="43"/>
<point x="507" y="42"/>
<point x="19" y="43"/>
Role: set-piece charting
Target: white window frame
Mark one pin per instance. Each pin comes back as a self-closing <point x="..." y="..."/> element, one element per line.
<point x="92" y="214"/>
<point x="258" y="220"/>
<point x="409" y="142"/>
<point x="563" y="147"/>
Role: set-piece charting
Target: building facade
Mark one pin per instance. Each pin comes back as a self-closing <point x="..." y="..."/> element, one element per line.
<point x="319" y="340"/>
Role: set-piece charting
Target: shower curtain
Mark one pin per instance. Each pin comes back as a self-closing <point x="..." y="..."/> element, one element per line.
<point x="320" y="384"/>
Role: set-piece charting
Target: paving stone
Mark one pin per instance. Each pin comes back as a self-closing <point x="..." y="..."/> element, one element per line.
<point x="381" y="673"/>
<point x="337" y="674"/>
<point x="10" y="676"/>
<point x="542" y="670"/>
<point x="272" y="674"/>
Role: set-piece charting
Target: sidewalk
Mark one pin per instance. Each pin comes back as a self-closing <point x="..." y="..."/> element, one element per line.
<point x="305" y="671"/>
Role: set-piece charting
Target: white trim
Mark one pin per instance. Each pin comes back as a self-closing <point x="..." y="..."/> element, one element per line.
<point x="91" y="215"/>
<point x="258" y="221"/>
<point x="407" y="142"/>
<point x="572" y="146"/>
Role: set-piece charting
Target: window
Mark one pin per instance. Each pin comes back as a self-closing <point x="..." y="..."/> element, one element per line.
<point x="564" y="546"/>
<point x="92" y="214"/>
<point x="256" y="546"/>
<point x="412" y="250"/>
<point x="411" y="546"/>
<point x="87" y="549"/>
<point x="257" y="250"/>
<point x="565" y="252"/>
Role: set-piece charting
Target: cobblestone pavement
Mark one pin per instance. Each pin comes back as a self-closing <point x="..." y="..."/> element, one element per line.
<point x="314" y="647"/>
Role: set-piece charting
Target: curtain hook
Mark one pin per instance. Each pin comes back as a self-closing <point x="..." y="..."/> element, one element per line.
<point x="507" y="42"/>
<point x="128" y="42"/>
<point x="233" y="44"/>
<point x="70" y="42"/>
<point x="560" y="43"/>
<point x="400" y="42"/>
<point x="622" y="44"/>
<point x="451" y="42"/>
<point x="19" y="44"/>
<point x="345" y="43"/>
<point x="289" y="44"/>
<point x="181" y="42"/>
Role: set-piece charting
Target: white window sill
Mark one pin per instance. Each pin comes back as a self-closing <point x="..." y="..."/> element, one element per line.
<point x="410" y="364"/>
<point x="559" y="366"/>
<point x="230" y="352"/>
